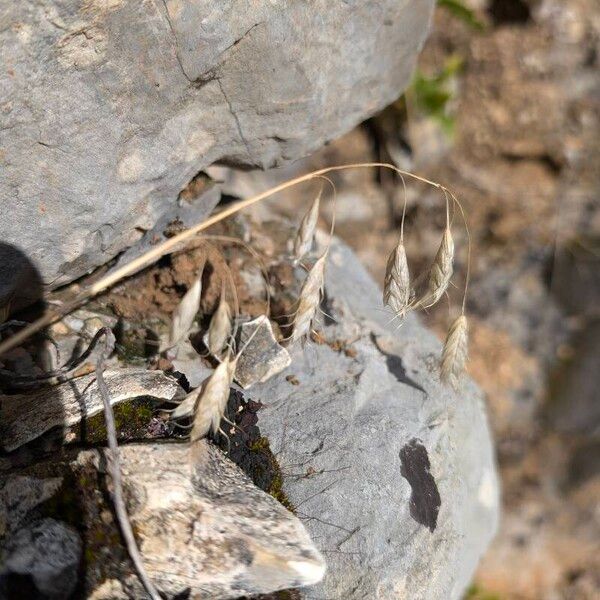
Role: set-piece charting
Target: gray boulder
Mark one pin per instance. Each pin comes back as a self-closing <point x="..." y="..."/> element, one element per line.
<point x="108" y="109"/>
<point x="392" y="473"/>
<point x="46" y="554"/>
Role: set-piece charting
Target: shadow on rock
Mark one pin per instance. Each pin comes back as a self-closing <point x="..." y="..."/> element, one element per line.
<point x="39" y="556"/>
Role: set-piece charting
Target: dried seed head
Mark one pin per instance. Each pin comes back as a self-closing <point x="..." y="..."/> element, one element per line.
<point x="455" y="352"/>
<point x="184" y="314"/>
<point x="187" y="406"/>
<point x="213" y="398"/>
<point x="219" y="329"/>
<point x="306" y="232"/>
<point x="310" y="298"/>
<point x="396" y="287"/>
<point x="441" y="271"/>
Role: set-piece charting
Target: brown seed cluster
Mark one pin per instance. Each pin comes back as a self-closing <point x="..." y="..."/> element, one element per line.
<point x="402" y="296"/>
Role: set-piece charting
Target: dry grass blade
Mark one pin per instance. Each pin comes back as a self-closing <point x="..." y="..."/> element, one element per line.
<point x="115" y="470"/>
<point x="396" y="286"/>
<point x="440" y="272"/>
<point x="310" y="298"/>
<point x="187" y="406"/>
<point x="306" y="232"/>
<point x="219" y="329"/>
<point x="185" y="313"/>
<point x="213" y="399"/>
<point x="176" y="241"/>
<point x="455" y="352"/>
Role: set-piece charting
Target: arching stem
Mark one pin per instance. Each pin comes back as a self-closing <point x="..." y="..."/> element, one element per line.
<point x="171" y="244"/>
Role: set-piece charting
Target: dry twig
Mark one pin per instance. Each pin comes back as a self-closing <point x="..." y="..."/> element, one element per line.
<point x="175" y="242"/>
<point x="114" y="467"/>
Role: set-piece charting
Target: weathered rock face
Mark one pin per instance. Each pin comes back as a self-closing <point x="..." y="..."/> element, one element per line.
<point x="204" y="530"/>
<point x="108" y="109"/>
<point x="391" y="472"/>
<point x="48" y="553"/>
<point x="25" y="417"/>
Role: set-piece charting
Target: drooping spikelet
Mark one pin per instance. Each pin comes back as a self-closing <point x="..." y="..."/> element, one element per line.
<point x="440" y="272"/>
<point x="396" y="287"/>
<point x="306" y="232"/>
<point x="310" y="298"/>
<point x="213" y="398"/>
<point x="455" y="352"/>
<point x="219" y="329"/>
<point x="184" y="314"/>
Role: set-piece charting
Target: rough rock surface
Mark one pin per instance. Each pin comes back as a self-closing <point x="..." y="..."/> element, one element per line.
<point x="47" y="553"/>
<point x="263" y="358"/>
<point x="392" y="473"/>
<point x="25" y="417"/>
<point x="203" y="528"/>
<point x="108" y="109"/>
<point x="19" y="495"/>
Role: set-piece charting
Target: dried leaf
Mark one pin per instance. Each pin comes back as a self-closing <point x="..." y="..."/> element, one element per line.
<point x="185" y="313"/>
<point x="306" y="232"/>
<point x="455" y="352"/>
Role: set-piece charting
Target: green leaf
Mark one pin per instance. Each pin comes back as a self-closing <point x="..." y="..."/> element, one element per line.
<point x="462" y="12"/>
<point x="433" y="93"/>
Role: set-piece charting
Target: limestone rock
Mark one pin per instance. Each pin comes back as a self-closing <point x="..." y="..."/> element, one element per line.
<point x="19" y="495"/>
<point x="187" y="361"/>
<point x="24" y="417"/>
<point x="203" y="525"/>
<point x="46" y="552"/>
<point x="109" y="108"/>
<point x="263" y="358"/>
<point x="392" y="473"/>
<point x="203" y="528"/>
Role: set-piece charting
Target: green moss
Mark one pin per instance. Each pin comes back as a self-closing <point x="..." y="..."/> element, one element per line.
<point x="131" y="419"/>
<point x="89" y="555"/>
<point x="261" y="443"/>
<point x="275" y="488"/>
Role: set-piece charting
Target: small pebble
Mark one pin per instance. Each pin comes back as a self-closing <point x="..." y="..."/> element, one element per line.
<point x="292" y="379"/>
